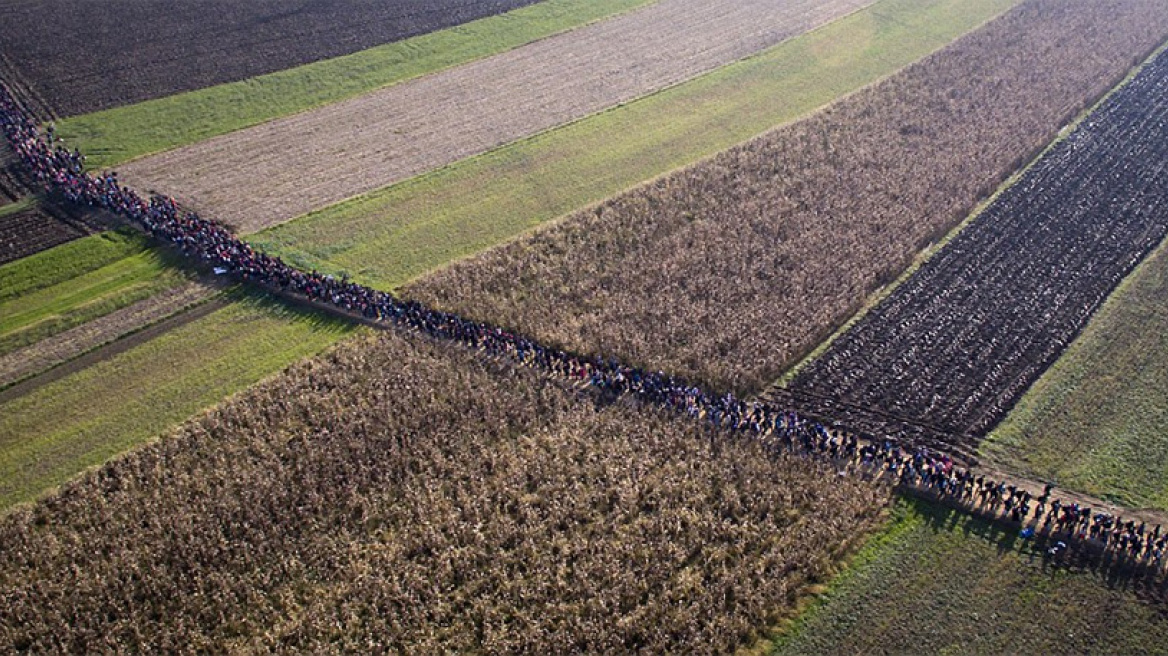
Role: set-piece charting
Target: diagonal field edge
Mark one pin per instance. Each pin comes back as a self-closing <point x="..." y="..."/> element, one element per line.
<point x="291" y="166"/>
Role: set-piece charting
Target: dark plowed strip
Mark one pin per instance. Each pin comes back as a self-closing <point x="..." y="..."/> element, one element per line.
<point x="958" y="343"/>
<point x="110" y="350"/>
<point x="32" y="231"/>
<point x="81" y="57"/>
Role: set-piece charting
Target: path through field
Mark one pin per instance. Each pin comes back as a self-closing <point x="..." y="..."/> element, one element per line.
<point x="65" y="346"/>
<point x="289" y="167"/>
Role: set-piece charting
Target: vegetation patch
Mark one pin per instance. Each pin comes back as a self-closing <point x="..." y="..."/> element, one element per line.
<point x="117" y="135"/>
<point x="405" y="496"/>
<point x="388" y="237"/>
<point x="55" y="308"/>
<point x="731" y="270"/>
<point x="56" y="431"/>
<point x="981" y="320"/>
<point x="1095" y="420"/>
<point x="67" y="261"/>
<point x="938" y="581"/>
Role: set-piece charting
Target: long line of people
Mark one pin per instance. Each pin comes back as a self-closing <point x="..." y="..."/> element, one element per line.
<point x="63" y="171"/>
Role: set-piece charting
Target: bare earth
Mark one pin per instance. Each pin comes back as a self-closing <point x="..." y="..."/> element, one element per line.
<point x="262" y="176"/>
<point x="54" y="350"/>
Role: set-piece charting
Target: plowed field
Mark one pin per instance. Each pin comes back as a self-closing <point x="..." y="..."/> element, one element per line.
<point x="959" y="342"/>
<point x="289" y="167"/>
<point x="731" y="270"/>
<point x="86" y="56"/>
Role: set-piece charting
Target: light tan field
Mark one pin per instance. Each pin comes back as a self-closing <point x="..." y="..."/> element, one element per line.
<point x="274" y="172"/>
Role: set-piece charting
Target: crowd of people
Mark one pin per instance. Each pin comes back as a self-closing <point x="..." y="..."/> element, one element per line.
<point x="63" y="171"/>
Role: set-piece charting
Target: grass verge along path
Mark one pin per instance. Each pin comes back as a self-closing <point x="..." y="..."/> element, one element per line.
<point x="938" y="581"/>
<point x="388" y="237"/>
<point x="55" y="290"/>
<point x="56" y="431"/>
<point x="1095" y="421"/>
<point x="115" y="136"/>
<point x="66" y="261"/>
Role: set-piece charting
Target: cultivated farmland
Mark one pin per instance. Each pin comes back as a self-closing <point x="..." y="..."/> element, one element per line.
<point x="134" y="390"/>
<point x="82" y="57"/>
<point x="291" y="166"/>
<point x="27" y="227"/>
<point x="731" y="270"/>
<point x="386" y="238"/>
<point x="958" y="343"/>
<point x="429" y="501"/>
<point x="937" y="582"/>
<point x="127" y="132"/>
<point x="1095" y="420"/>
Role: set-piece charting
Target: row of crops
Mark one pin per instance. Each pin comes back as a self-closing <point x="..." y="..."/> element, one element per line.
<point x="953" y="348"/>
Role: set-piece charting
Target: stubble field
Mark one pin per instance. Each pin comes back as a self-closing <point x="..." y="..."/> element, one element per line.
<point x="398" y="494"/>
<point x="288" y="167"/>
<point x="731" y="270"/>
<point x="957" y="343"/>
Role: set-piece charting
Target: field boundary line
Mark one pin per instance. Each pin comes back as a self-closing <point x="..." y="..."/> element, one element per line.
<point x="932" y="249"/>
<point x="69" y="127"/>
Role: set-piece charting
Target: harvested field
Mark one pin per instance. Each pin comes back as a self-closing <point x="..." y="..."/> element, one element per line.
<point x="1095" y="419"/>
<point x="119" y="134"/>
<point x="291" y="166"/>
<point x="441" y="504"/>
<point x="728" y="272"/>
<point x="49" y="433"/>
<point x="956" y="345"/>
<point x="386" y="238"/>
<point x="938" y="582"/>
<point x="79" y="59"/>
<point x="54" y="350"/>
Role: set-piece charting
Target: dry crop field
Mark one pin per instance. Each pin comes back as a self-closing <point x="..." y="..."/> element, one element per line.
<point x="731" y="270"/>
<point x="78" y="58"/>
<point x="289" y="167"/>
<point x="399" y="494"/>
<point x="956" y="345"/>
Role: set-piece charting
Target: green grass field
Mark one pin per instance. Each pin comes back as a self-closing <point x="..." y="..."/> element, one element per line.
<point x="1096" y="420"/>
<point x="118" y="135"/>
<point x="69" y="260"/>
<point x="85" y="418"/>
<point x="942" y="582"/>
<point x="112" y="271"/>
<point x="392" y="235"/>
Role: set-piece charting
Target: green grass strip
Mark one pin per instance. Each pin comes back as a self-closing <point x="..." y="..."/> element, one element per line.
<point x="390" y="236"/>
<point x="8" y="209"/>
<point x="57" y="308"/>
<point x="118" y="135"/>
<point x="1095" y="421"/>
<point x="55" y="432"/>
<point x="67" y="261"/>
<point x="942" y="582"/>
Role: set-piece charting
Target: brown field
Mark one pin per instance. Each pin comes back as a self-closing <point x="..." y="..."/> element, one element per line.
<point x="731" y="270"/>
<point x="401" y="494"/>
<point x="291" y="166"/>
<point x="86" y="56"/>
<point x="65" y="346"/>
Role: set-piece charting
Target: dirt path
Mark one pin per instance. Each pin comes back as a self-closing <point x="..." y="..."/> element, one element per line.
<point x="291" y="166"/>
<point x="102" y="338"/>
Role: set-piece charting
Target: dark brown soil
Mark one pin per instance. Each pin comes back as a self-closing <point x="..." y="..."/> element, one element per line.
<point x="86" y="56"/>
